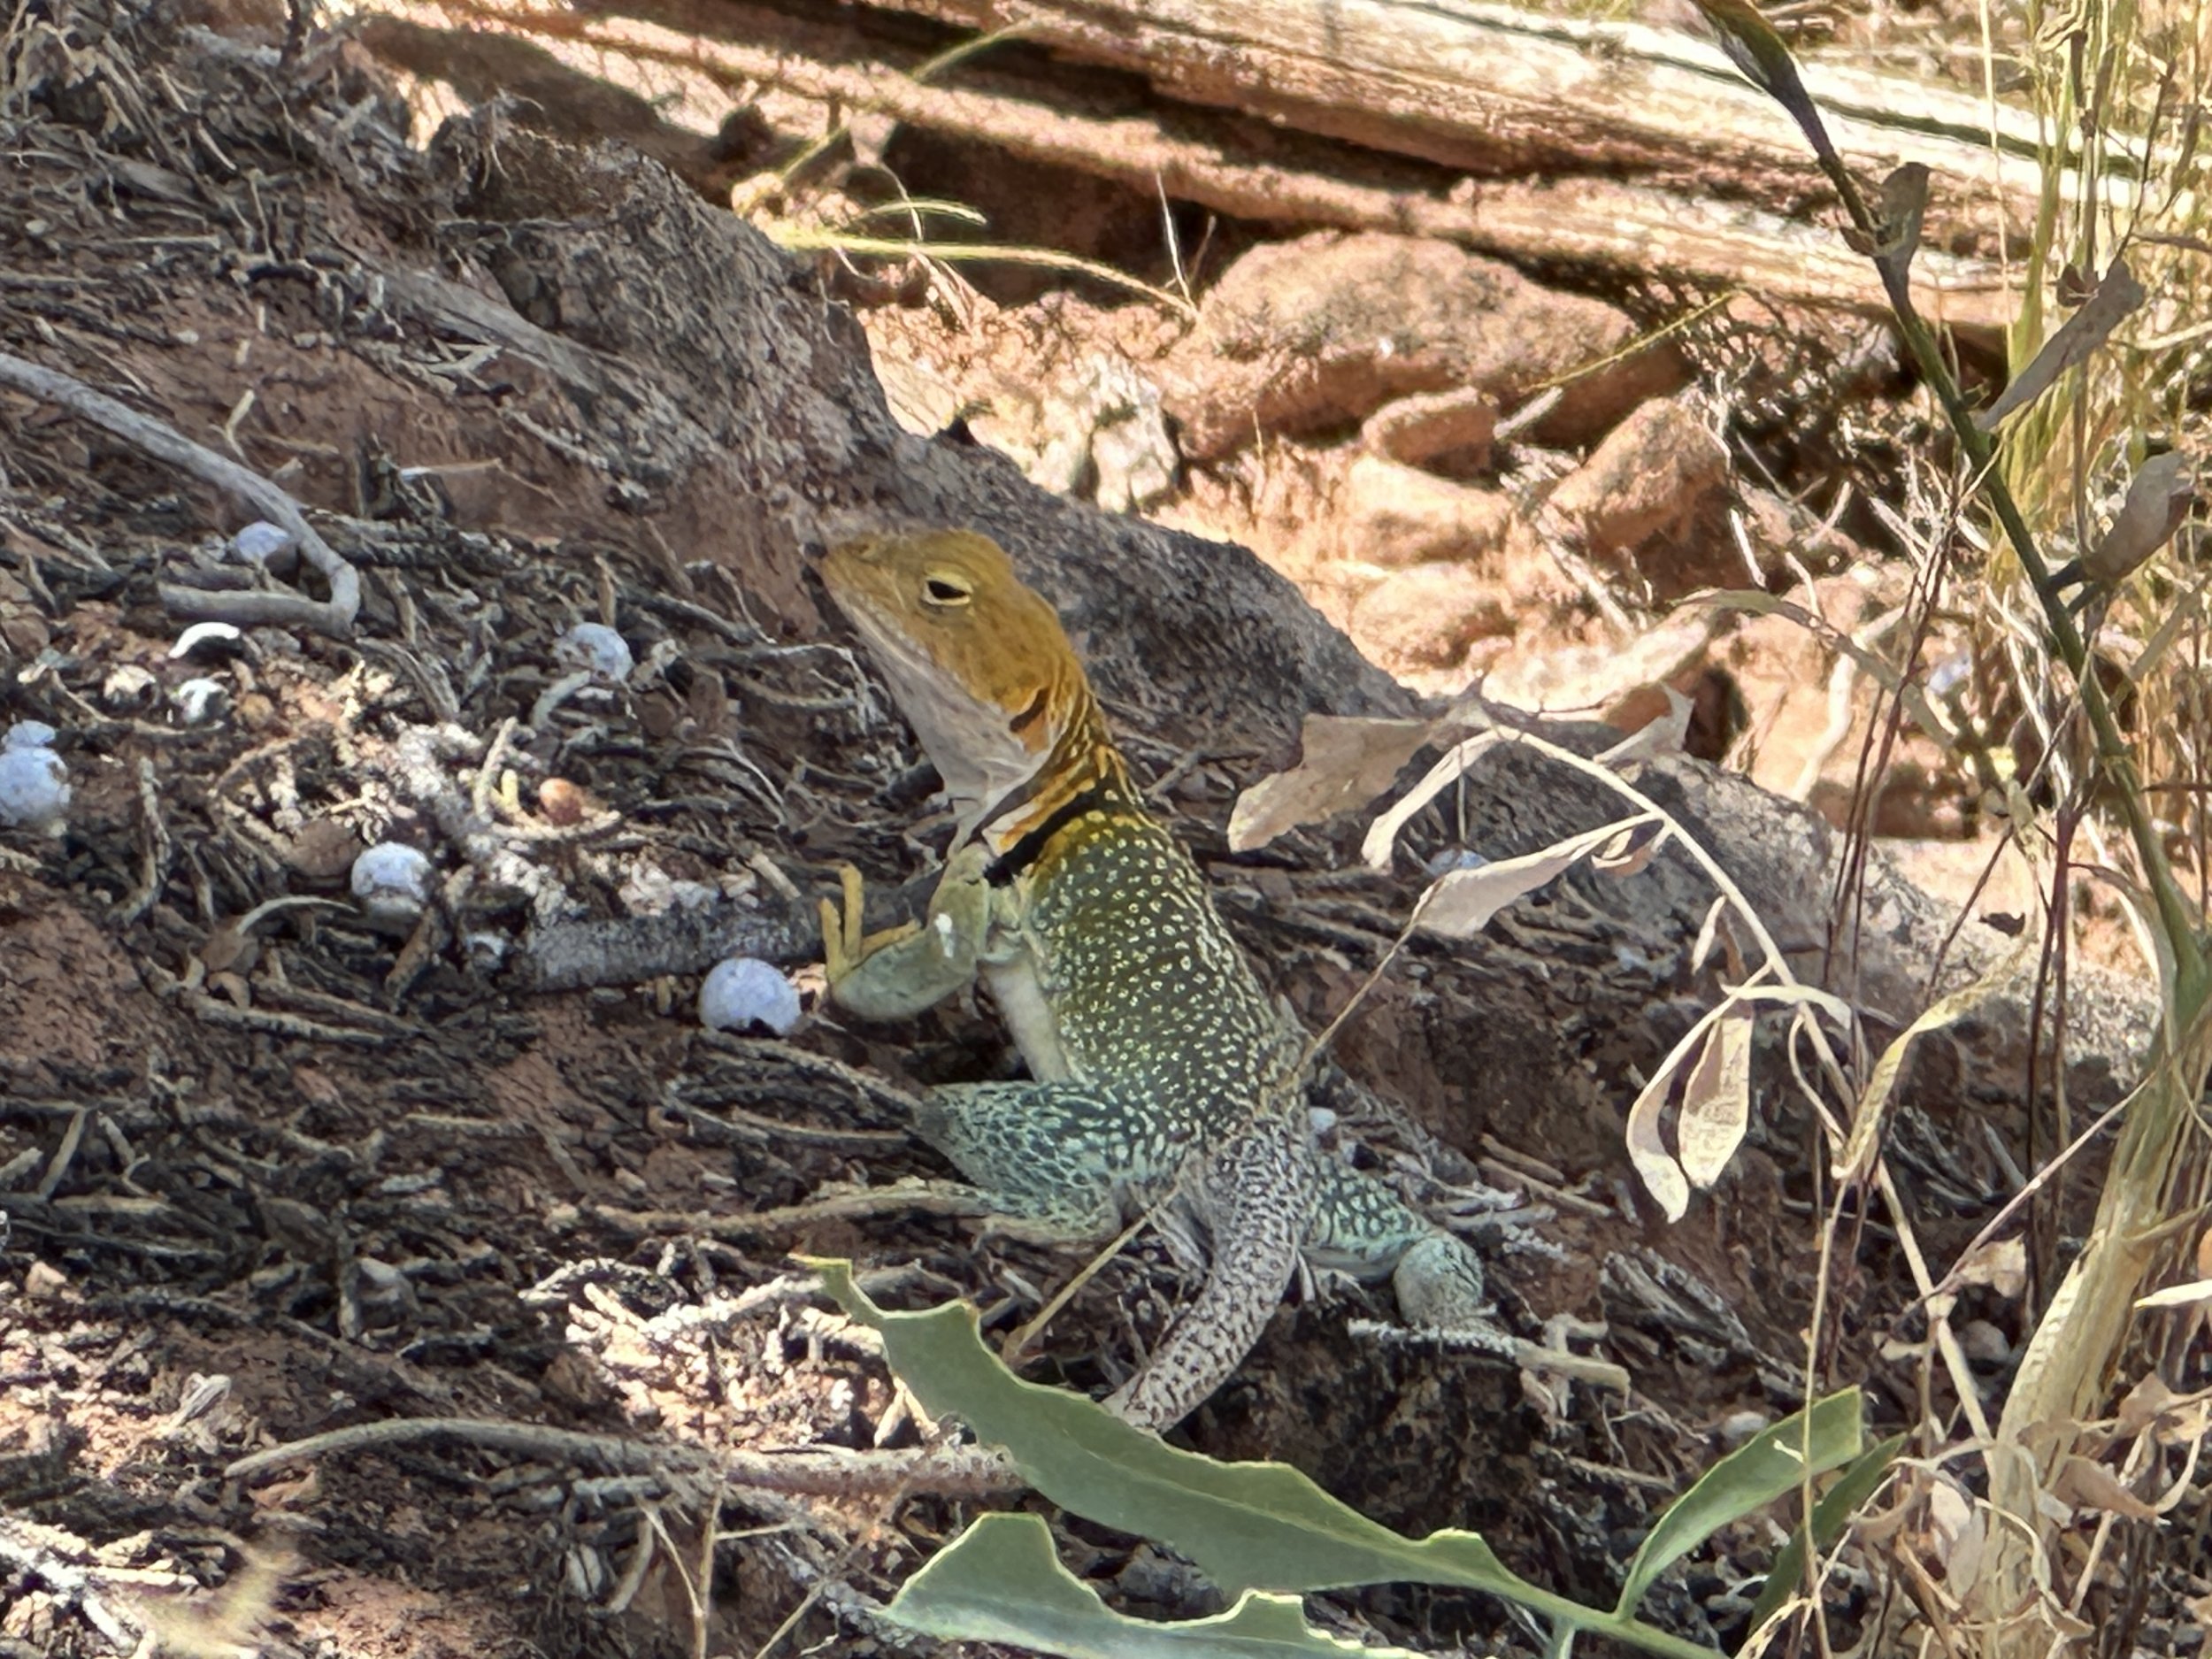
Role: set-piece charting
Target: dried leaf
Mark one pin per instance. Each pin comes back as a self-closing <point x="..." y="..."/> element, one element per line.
<point x="1709" y="933"/>
<point x="1344" y="764"/>
<point x="1716" y="1098"/>
<point x="1797" y="996"/>
<point x="1382" y="835"/>
<point x="2157" y="501"/>
<point x="1462" y="901"/>
<point x="2116" y="298"/>
<point x="2188" y="1295"/>
<point x="2087" y="1485"/>
<point x="2001" y="1264"/>
<point x="1628" y="852"/>
<point x="1660" y="736"/>
<point x="1646" y="1150"/>
<point x="1953" y="1539"/>
<point x="1858" y="1156"/>
<point x="2144" y="1405"/>
<point x="1904" y="201"/>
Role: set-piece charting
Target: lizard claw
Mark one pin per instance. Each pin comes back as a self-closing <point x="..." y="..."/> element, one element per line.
<point x="842" y="941"/>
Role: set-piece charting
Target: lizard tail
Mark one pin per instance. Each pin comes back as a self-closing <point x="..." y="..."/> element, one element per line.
<point x="1256" y="1195"/>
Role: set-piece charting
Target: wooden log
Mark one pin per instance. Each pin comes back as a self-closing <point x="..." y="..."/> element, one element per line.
<point x="1496" y="90"/>
<point x="1709" y="198"/>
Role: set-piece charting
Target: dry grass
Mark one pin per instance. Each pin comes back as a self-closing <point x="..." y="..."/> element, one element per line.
<point x="2041" y="1530"/>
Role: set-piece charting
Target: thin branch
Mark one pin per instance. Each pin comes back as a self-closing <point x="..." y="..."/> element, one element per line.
<point x="333" y="616"/>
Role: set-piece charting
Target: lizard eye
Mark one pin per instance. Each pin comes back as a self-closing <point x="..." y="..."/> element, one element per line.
<point x="946" y="589"/>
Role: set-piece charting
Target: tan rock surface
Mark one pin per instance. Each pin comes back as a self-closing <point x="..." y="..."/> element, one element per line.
<point x="1428" y="616"/>
<point x="1397" y="516"/>
<point x="1305" y="335"/>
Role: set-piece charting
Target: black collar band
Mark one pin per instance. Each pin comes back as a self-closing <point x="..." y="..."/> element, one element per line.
<point x="1001" y="869"/>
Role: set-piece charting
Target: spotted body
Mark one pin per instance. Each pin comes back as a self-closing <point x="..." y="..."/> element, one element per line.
<point x="1160" y="1069"/>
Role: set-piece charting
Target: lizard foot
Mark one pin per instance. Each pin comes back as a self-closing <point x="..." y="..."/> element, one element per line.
<point x="898" y="973"/>
<point x="845" y="944"/>
<point x="1440" y="1284"/>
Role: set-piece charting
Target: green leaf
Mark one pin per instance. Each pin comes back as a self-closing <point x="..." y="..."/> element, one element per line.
<point x="1000" y="1581"/>
<point x="1831" y="1513"/>
<point x="1247" y="1526"/>
<point x="1778" y="1460"/>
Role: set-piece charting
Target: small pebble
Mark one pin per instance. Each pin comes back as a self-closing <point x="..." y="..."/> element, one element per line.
<point x="743" y="991"/>
<point x="392" y="883"/>
<point x="129" y="686"/>
<point x="562" y="801"/>
<point x="29" y="734"/>
<point x="33" y="789"/>
<point x="1447" y="859"/>
<point x="200" y="701"/>
<point x="322" y="850"/>
<point x="1739" y="1426"/>
<point x="43" y="1281"/>
<point x="1983" y="1344"/>
<point x="260" y="542"/>
<point x="595" y="646"/>
<point x="203" y="636"/>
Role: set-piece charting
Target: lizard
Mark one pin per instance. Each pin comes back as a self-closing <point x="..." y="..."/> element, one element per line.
<point x="1159" y="1069"/>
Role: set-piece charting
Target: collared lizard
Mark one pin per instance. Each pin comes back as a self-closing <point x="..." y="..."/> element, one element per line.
<point x="1159" y="1065"/>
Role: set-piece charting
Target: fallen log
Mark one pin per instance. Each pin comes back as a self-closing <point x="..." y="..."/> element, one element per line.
<point x="1609" y="147"/>
<point x="1498" y="91"/>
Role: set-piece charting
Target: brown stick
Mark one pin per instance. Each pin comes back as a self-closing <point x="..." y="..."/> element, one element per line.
<point x="333" y="616"/>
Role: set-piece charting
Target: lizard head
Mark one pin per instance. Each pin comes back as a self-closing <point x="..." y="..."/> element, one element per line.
<point x="978" y="664"/>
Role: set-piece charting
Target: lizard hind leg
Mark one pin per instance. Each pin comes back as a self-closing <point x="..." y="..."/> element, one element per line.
<point x="1052" y="1158"/>
<point x="1257" y="1196"/>
<point x="1362" y="1226"/>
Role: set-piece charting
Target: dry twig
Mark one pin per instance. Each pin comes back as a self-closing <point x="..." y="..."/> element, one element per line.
<point x="261" y="608"/>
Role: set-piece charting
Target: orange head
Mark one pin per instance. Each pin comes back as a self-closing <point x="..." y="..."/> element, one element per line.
<point x="978" y="664"/>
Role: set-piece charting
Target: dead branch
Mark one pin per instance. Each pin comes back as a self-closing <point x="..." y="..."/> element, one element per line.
<point x="965" y="1470"/>
<point x="1611" y="147"/>
<point x="259" y="609"/>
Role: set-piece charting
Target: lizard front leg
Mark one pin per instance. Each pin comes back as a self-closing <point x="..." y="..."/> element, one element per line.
<point x="898" y="973"/>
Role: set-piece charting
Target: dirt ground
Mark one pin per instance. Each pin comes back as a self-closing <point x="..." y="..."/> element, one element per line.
<point x="267" y="1170"/>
